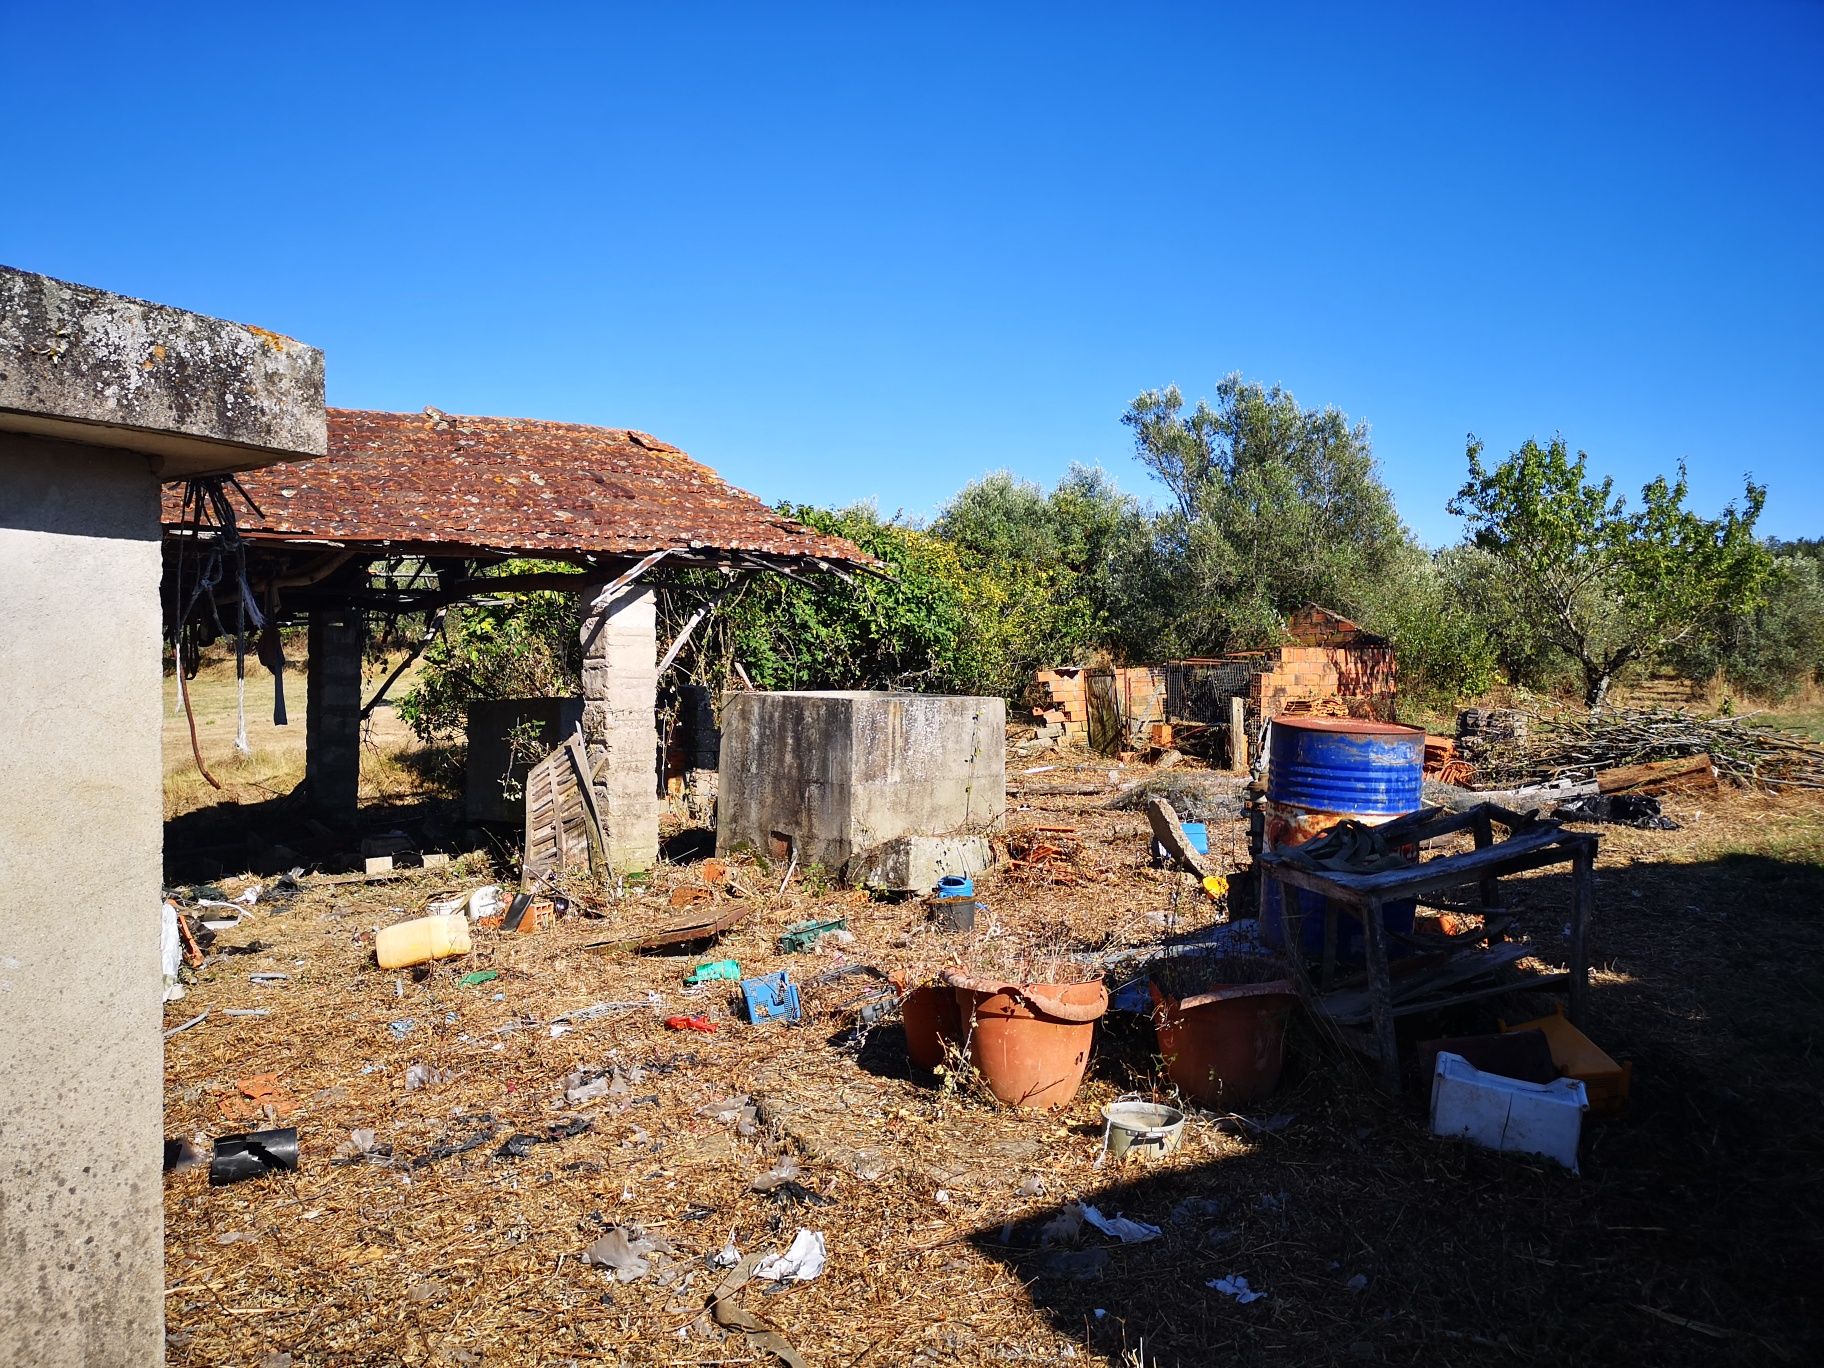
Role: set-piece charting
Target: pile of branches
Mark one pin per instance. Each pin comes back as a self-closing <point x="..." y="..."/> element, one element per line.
<point x="1573" y="746"/>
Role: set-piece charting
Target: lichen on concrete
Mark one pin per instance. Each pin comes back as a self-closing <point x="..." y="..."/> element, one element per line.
<point x="73" y="354"/>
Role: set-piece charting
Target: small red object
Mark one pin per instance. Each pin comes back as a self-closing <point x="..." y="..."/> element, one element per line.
<point x="691" y="1023"/>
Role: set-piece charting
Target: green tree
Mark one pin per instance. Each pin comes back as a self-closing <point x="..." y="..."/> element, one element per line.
<point x="1607" y="586"/>
<point x="1774" y="649"/>
<point x="947" y="619"/>
<point x="1084" y="543"/>
<point x="1273" y="506"/>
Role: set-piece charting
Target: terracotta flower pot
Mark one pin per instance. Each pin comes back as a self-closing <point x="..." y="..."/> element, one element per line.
<point x="1030" y="1041"/>
<point x="1226" y="1047"/>
<point x="932" y="1020"/>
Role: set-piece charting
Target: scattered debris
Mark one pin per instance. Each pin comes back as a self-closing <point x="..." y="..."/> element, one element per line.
<point x="253" y="1155"/>
<point x="182" y="1155"/>
<point x="1119" y="1227"/>
<point x="625" y="1251"/>
<point x="480" y="976"/>
<point x="1623" y="809"/>
<point x="424" y="1076"/>
<point x="520" y="1144"/>
<point x="1235" y="1286"/>
<point x="772" y="997"/>
<point x="196" y="1020"/>
<point x="262" y="1095"/>
<point x="801" y="1262"/>
<point x="1499" y="1113"/>
<point x="700" y="1024"/>
<point x="713" y="970"/>
<point x="801" y="936"/>
<point x="474" y="1141"/>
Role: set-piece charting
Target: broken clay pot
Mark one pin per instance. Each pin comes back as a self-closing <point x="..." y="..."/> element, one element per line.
<point x="933" y="1023"/>
<point x="1030" y="1041"/>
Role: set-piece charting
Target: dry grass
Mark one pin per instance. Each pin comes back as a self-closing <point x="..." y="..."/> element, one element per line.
<point x="275" y="764"/>
<point x="1702" y="1204"/>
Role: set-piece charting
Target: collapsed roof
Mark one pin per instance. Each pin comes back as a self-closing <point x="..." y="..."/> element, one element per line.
<point x="437" y="484"/>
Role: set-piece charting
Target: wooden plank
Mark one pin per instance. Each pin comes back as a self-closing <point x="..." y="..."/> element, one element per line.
<point x="1238" y="736"/>
<point x="1686" y="771"/>
<point x="1531" y="849"/>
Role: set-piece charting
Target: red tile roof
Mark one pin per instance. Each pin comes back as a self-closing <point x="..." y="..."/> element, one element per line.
<point x="433" y="480"/>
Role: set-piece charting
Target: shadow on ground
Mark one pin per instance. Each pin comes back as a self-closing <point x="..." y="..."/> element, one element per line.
<point x="1692" y="1235"/>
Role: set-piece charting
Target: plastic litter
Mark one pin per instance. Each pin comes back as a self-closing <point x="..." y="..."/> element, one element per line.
<point x="701" y="1024"/>
<point x="772" y="997"/>
<point x="1507" y="1114"/>
<point x="711" y="971"/>
<point x="803" y="935"/>
<point x="253" y="1155"/>
<point x="420" y="941"/>
<point x="1235" y="1286"/>
<point x="402" y="1028"/>
<point x="801" y="1262"/>
<point x="171" y="952"/>
<point x="423" y="1076"/>
<point x="182" y="1154"/>
<point x="479" y="976"/>
<point x="627" y="1252"/>
<point x="1122" y="1229"/>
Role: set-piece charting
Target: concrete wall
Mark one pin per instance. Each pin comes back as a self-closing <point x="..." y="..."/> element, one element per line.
<point x="491" y="762"/>
<point x="833" y="774"/>
<point x="81" y="1195"/>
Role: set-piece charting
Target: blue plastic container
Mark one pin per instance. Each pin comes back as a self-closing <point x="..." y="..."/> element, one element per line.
<point x="1197" y="833"/>
<point x="1321" y="771"/>
<point x="771" y="997"/>
<point x="956" y="886"/>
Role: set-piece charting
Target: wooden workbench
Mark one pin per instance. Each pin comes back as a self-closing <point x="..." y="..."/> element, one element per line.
<point x="1526" y="843"/>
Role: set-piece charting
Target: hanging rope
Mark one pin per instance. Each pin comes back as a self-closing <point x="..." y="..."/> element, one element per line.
<point x="211" y="553"/>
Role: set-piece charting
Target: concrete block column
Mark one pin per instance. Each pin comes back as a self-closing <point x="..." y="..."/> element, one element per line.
<point x="332" y="713"/>
<point x="620" y="706"/>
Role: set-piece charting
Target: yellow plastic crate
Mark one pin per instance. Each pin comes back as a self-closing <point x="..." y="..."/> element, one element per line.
<point x="1579" y="1057"/>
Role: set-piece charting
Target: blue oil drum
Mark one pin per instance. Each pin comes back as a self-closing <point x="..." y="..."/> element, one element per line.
<point x="1324" y="770"/>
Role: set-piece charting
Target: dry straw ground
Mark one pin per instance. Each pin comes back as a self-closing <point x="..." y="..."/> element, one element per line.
<point x="1692" y="1235"/>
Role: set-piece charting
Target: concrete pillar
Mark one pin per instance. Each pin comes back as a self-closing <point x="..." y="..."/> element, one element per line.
<point x="620" y="706"/>
<point x="81" y="1199"/>
<point x="332" y="713"/>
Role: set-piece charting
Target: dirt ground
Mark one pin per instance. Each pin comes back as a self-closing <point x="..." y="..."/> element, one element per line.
<point x="1691" y="1236"/>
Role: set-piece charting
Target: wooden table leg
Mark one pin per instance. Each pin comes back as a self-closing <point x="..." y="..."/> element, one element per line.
<point x="1380" y="997"/>
<point x="1583" y="901"/>
<point x="1485" y="836"/>
<point x="1328" y="972"/>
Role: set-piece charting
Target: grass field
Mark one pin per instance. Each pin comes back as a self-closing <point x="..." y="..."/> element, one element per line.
<point x="275" y="764"/>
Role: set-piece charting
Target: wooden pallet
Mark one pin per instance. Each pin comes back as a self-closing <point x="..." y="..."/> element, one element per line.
<point x="563" y="828"/>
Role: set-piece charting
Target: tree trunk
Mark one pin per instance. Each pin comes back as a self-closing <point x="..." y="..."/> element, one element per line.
<point x="1596" y="692"/>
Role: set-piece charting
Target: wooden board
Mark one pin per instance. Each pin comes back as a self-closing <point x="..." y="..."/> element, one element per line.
<point x="1687" y="771"/>
<point x="563" y="831"/>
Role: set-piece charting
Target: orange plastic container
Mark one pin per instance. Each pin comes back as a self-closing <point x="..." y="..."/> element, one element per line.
<point x="422" y="940"/>
<point x="1579" y="1057"/>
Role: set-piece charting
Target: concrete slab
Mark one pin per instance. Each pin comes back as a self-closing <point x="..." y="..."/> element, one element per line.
<point x="197" y="394"/>
<point x="914" y="864"/>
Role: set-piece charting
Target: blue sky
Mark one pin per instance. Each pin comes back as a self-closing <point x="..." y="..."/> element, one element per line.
<point x="869" y="251"/>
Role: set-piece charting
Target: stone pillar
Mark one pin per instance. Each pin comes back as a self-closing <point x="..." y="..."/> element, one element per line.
<point x="620" y="705"/>
<point x="332" y="713"/>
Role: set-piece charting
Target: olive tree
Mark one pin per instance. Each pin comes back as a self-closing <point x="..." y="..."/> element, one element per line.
<point x="1606" y="585"/>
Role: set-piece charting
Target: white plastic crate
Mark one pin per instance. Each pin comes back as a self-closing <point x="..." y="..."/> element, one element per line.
<point x="1506" y="1114"/>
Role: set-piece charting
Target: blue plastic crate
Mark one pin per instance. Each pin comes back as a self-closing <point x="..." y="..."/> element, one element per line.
<point x="771" y="997"/>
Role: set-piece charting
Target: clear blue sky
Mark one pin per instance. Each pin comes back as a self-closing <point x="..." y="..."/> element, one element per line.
<point x="874" y="251"/>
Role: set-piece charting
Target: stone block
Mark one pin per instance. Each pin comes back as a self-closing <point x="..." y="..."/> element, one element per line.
<point x="914" y="864"/>
<point x="833" y="774"/>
